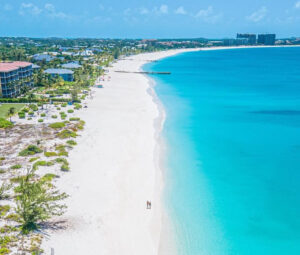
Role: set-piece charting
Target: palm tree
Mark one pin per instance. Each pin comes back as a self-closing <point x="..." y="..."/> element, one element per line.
<point x="11" y="112"/>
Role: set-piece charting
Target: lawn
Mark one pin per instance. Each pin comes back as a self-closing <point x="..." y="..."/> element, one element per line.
<point x="5" y="107"/>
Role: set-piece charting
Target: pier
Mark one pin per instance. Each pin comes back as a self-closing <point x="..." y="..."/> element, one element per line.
<point x="143" y="72"/>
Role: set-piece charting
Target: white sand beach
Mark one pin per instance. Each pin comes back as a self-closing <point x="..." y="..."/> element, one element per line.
<point x="114" y="170"/>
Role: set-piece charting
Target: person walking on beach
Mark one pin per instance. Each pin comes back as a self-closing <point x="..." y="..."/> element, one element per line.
<point x="148" y="204"/>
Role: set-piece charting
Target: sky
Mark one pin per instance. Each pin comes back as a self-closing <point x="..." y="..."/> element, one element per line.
<point x="148" y="18"/>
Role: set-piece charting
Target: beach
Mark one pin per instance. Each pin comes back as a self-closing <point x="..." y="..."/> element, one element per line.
<point x="115" y="170"/>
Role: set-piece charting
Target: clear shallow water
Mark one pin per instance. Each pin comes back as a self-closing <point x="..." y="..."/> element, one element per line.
<point x="233" y="150"/>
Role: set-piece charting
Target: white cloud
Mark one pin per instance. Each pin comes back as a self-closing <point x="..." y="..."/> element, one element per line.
<point x="52" y="12"/>
<point x="29" y="8"/>
<point x="163" y="9"/>
<point x="297" y="5"/>
<point x="144" y="11"/>
<point x="205" y="12"/>
<point x="180" y="10"/>
<point x="8" y="7"/>
<point x="258" y="15"/>
<point x="208" y="15"/>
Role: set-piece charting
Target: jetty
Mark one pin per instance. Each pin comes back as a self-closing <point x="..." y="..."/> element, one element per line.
<point x="143" y="72"/>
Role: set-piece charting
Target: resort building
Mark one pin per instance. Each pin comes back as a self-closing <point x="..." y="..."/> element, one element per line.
<point x="72" y="65"/>
<point x="66" y="74"/>
<point x="15" y="78"/>
<point x="266" y="39"/>
<point x="43" y="57"/>
<point x="251" y="38"/>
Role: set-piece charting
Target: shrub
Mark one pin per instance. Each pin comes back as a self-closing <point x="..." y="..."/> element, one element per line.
<point x="54" y="116"/>
<point x="39" y="163"/>
<point x="18" y="166"/>
<point x="71" y="142"/>
<point x="57" y="125"/>
<point x="65" y="168"/>
<point x="74" y="119"/>
<point x="3" y="189"/>
<point x="33" y="107"/>
<point x="64" y="105"/>
<point x="30" y="150"/>
<point x="40" y="120"/>
<point x="33" y="159"/>
<point x="58" y="108"/>
<point x="66" y="134"/>
<point x="5" y="123"/>
<point x="29" y="118"/>
<point x="4" y="209"/>
<point x="43" y="114"/>
<point x="49" y="177"/>
<point x="36" y="202"/>
<point x="70" y="111"/>
<point x="62" y="160"/>
<point x="31" y="113"/>
<point x="50" y="154"/>
<point x="21" y="115"/>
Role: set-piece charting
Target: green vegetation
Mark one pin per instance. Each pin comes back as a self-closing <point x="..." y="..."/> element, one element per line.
<point x="64" y="164"/>
<point x="18" y="166"/>
<point x="57" y="125"/>
<point x="30" y="150"/>
<point x="43" y="114"/>
<point x="74" y="119"/>
<point x="40" y="120"/>
<point x="54" y="116"/>
<point x="4" y="109"/>
<point x="70" y="111"/>
<point x="5" y="123"/>
<point x="3" y="190"/>
<point x="41" y="163"/>
<point x="33" y="159"/>
<point x="66" y="133"/>
<point x="50" y="153"/>
<point x="71" y="142"/>
<point x="37" y="201"/>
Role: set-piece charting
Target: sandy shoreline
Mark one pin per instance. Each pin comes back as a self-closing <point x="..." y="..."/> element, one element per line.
<point x="116" y="168"/>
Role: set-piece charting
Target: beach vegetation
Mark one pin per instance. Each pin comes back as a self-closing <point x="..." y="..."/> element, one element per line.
<point x="71" y="142"/>
<point x="33" y="159"/>
<point x="50" y="154"/>
<point x="4" y="188"/>
<point x="30" y="150"/>
<point x="18" y="166"/>
<point x="66" y="133"/>
<point x="40" y="120"/>
<point x="70" y="111"/>
<point x="5" y="123"/>
<point x="54" y="116"/>
<point x="57" y="125"/>
<point x="37" y="201"/>
<point x="74" y="119"/>
<point x="43" y="114"/>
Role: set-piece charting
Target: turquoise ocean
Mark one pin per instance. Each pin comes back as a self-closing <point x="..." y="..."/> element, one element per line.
<point x="232" y="134"/>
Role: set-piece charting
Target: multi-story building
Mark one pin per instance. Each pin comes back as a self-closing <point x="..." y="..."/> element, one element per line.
<point x="250" y="37"/>
<point x="15" y="78"/>
<point x="266" y="39"/>
<point x="66" y="74"/>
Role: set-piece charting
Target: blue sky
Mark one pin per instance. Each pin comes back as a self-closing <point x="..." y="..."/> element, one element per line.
<point x="148" y="18"/>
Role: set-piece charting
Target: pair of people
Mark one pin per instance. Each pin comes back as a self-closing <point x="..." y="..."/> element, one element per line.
<point x="149" y="204"/>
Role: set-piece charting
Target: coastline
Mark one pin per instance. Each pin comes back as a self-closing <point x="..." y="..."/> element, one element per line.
<point x="117" y="167"/>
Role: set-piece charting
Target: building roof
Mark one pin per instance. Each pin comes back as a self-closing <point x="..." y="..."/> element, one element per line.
<point x="71" y="65"/>
<point x="40" y="57"/>
<point x="34" y="66"/>
<point x="11" y="66"/>
<point x="58" y="71"/>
